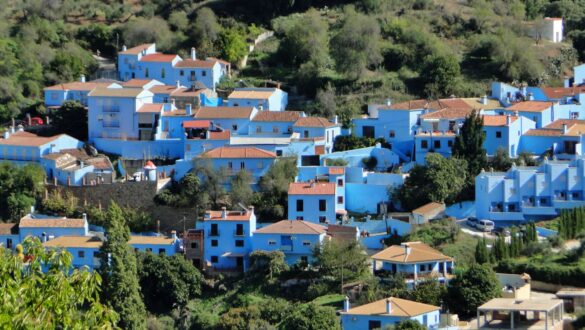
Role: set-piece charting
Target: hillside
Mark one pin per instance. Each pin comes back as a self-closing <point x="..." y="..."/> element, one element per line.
<point x="413" y="49"/>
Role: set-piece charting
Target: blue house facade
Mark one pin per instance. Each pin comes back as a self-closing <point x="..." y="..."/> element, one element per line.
<point x="271" y="99"/>
<point x="297" y="239"/>
<point x="78" y="91"/>
<point x="312" y="201"/>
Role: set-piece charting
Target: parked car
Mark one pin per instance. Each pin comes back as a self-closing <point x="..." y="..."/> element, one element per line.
<point x="503" y="231"/>
<point x="485" y="225"/>
<point x="472" y="222"/>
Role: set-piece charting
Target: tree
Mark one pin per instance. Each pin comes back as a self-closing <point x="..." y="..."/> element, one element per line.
<point x="47" y="290"/>
<point x="326" y="101"/>
<point x="469" y="144"/>
<point x="429" y="291"/>
<point x="440" y="74"/>
<point x="482" y="255"/>
<point x="144" y="30"/>
<point x="471" y="288"/>
<point x="501" y="160"/>
<point x="344" y="261"/>
<point x="71" y="119"/>
<point x="271" y="201"/>
<point x="409" y="325"/>
<point x="310" y="317"/>
<point x="20" y="188"/>
<point x="241" y="190"/>
<point x="440" y="180"/>
<point x="352" y="52"/>
<point x="206" y="30"/>
<point x="212" y="182"/>
<point x="167" y="282"/>
<point x="271" y="263"/>
<point x="118" y="269"/>
<point x="232" y="45"/>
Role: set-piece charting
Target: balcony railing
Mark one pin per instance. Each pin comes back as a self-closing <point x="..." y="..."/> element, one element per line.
<point x="111" y="124"/>
<point x="111" y="109"/>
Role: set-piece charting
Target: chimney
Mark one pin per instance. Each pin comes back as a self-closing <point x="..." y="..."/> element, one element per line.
<point x="508" y="120"/>
<point x="6" y="134"/>
<point x="336" y="119"/>
<point x="407" y="248"/>
<point x="207" y="135"/>
<point x="388" y="102"/>
<point x="84" y="216"/>
<point x="174" y="234"/>
<point x="124" y="48"/>
<point x="32" y="209"/>
<point x="530" y="97"/>
<point x="193" y="53"/>
<point x="188" y="109"/>
<point x="346" y="304"/>
<point x="178" y="84"/>
<point x="260" y="108"/>
<point x="388" y="306"/>
<point x="12" y="130"/>
<point x="223" y="213"/>
<point x="44" y="237"/>
<point x="484" y="100"/>
<point x="82" y="78"/>
<point x="565" y="130"/>
<point x="251" y="209"/>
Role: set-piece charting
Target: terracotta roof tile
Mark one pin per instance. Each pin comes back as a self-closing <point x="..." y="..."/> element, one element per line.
<point x="432" y="105"/>
<point x="419" y="252"/>
<point x="136" y="50"/>
<point x="77" y="86"/>
<point x="224" y="62"/>
<point x="299" y="227"/>
<point x="230" y="216"/>
<point x="25" y="139"/>
<point x="311" y="188"/>
<point x="530" y="106"/>
<point x="336" y="170"/>
<point x="189" y="63"/>
<point x="575" y="127"/>
<point x="238" y="152"/>
<point x="158" y="57"/>
<point x="256" y="94"/>
<point x="28" y="222"/>
<point x="498" y="120"/>
<point x="277" y="116"/>
<point x="74" y="242"/>
<point x="163" y="89"/>
<point x="313" y="122"/>
<point x="8" y="228"/>
<point x="319" y="150"/>
<point x="475" y="103"/>
<point x="555" y="93"/>
<point x="399" y="308"/>
<point x="150" y="108"/>
<point x="138" y="83"/>
<point x="430" y="207"/>
<point x="151" y="240"/>
<point x="224" y="112"/>
<point x="448" y="113"/>
<point x="116" y="92"/>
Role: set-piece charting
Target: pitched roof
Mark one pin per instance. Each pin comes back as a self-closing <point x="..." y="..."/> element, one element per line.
<point x="151" y="240"/>
<point x="530" y="106"/>
<point x="419" y="252"/>
<point x="135" y="50"/>
<point x="150" y="108"/>
<point x="255" y="94"/>
<point x="408" y="105"/>
<point x="220" y="135"/>
<point x="218" y="60"/>
<point x="28" y="222"/>
<point x="498" y="120"/>
<point x="189" y="63"/>
<point x="26" y="139"/>
<point x="313" y="122"/>
<point x="116" y="92"/>
<point x="311" y="188"/>
<point x="74" y="242"/>
<point x="299" y="227"/>
<point x="430" y="207"/>
<point x="196" y="124"/>
<point x="556" y="93"/>
<point x="575" y="127"/>
<point x="163" y="89"/>
<point x="448" y="113"/>
<point x="230" y="216"/>
<point x="78" y="86"/>
<point x="399" y="308"/>
<point x="158" y="57"/>
<point x="224" y="112"/>
<point x="8" y="228"/>
<point x="238" y="152"/>
<point x="475" y="103"/>
<point x="277" y="116"/>
<point x="136" y="82"/>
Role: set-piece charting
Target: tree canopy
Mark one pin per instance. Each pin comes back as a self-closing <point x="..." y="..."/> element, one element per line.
<point x="471" y="288"/>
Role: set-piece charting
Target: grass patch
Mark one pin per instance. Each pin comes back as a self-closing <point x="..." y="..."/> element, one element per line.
<point x="330" y="300"/>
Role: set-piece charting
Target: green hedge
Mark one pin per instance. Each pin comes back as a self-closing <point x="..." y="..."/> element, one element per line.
<point x="549" y="273"/>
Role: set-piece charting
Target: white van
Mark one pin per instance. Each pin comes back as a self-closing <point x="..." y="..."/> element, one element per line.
<point x="485" y="225"/>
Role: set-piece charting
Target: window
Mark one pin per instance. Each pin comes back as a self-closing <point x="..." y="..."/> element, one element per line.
<point x="242" y="166"/>
<point x="204" y="73"/>
<point x="300" y="205"/>
<point x="424" y="144"/>
<point x="146" y="72"/>
<point x="340" y="182"/>
<point x="278" y="153"/>
<point x="81" y="254"/>
<point x="322" y="205"/>
<point x="181" y="73"/>
<point x="194" y="245"/>
<point x="322" y="219"/>
<point x="450" y="143"/>
<point x="300" y="218"/>
<point x="437" y="144"/>
<point x="96" y="254"/>
<point x="306" y="134"/>
<point x="235" y="127"/>
<point x="271" y="242"/>
<point x="230" y="166"/>
<point x="9" y="243"/>
<point x="423" y="268"/>
<point x="498" y="135"/>
<point x="239" y="229"/>
<point x="214" y="259"/>
<point x="275" y="129"/>
<point x="574" y="115"/>
<point x="214" y="231"/>
<point x="213" y="242"/>
<point x="162" y="73"/>
<point x="193" y="76"/>
<point x="392" y="134"/>
<point x="305" y="259"/>
<point x="239" y="243"/>
<point x="372" y="325"/>
<point x="259" y="129"/>
<point x="306" y="243"/>
<point x="162" y="251"/>
<point x="339" y="199"/>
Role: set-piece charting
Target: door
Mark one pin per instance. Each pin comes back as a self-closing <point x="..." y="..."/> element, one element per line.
<point x="240" y="263"/>
<point x="372" y="325"/>
<point x="368" y="131"/>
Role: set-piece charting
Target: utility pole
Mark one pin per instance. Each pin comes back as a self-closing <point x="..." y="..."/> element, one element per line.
<point x="342" y="273"/>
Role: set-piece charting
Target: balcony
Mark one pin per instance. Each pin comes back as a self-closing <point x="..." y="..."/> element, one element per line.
<point x="113" y="108"/>
<point x="111" y="124"/>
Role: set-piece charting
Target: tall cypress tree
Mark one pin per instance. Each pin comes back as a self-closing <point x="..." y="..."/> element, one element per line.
<point x="120" y="288"/>
<point x="469" y="144"/>
<point x="481" y="252"/>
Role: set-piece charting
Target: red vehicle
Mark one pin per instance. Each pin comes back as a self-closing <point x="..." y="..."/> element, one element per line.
<point x="34" y="121"/>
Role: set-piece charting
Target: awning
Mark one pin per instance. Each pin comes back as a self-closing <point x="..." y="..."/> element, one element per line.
<point x="233" y="255"/>
<point x="196" y="124"/>
<point x="341" y="212"/>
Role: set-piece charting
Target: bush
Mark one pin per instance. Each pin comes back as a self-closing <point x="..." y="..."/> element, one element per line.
<point x="545" y="272"/>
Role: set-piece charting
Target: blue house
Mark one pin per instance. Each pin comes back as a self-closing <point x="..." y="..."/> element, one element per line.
<point x="200" y="135"/>
<point x="437" y="142"/>
<point x="270" y="99"/>
<point x="388" y="312"/>
<point x="228" y="239"/>
<point x="505" y="132"/>
<point x="530" y="193"/>
<point x="297" y="239"/>
<point x="78" y="91"/>
<point x="539" y="112"/>
<point x="9" y="236"/>
<point x="562" y="138"/>
<point x="312" y="201"/>
<point x="317" y="127"/>
<point x="235" y="119"/>
<point x="273" y="123"/>
<point x="46" y="227"/>
<point x="416" y="261"/>
<point x="385" y="158"/>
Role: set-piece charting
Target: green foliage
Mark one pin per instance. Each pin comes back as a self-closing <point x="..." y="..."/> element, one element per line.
<point x="58" y="297"/>
<point x="343" y="261"/>
<point x="136" y="220"/>
<point x="469" y="144"/>
<point x="501" y="161"/>
<point x="121" y="289"/>
<point x="572" y="223"/>
<point x="471" y="288"/>
<point x="20" y="187"/>
<point x="440" y="180"/>
<point x="354" y="54"/>
<point x="547" y="270"/>
<point x="206" y="31"/>
<point x="440" y="74"/>
<point x="61" y="204"/>
<point x="232" y="45"/>
<point x="213" y="180"/>
<point x="310" y="317"/>
<point x="241" y="190"/>
<point x="409" y="325"/>
<point x="370" y="163"/>
<point x="268" y="263"/>
<point x="482" y="255"/>
<point x="350" y="142"/>
<point x="436" y="233"/>
<point x="272" y="200"/>
<point x="71" y="119"/>
<point x="428" y="292"/>
<point x="167" y="282"/>
<point x="144" y="30"/>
